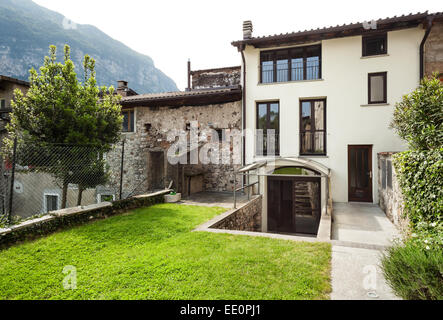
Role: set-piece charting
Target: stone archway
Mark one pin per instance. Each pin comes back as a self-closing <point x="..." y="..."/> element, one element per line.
<point x="295" y="198"/>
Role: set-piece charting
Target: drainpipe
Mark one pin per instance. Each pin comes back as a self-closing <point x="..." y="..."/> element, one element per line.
<point x="422" y="46"/>
<point x="243" y="110"/>
<point x="244" y="105"/>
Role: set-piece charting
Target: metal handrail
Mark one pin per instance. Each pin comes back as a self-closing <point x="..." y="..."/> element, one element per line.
<point x="244" y="186"/>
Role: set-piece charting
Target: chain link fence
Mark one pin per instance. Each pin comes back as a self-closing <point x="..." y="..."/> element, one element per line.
<point x="39" y="178"/>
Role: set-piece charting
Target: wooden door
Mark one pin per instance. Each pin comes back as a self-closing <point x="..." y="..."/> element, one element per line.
<point x="360" y="173"/>
<point x="294" y="204"/>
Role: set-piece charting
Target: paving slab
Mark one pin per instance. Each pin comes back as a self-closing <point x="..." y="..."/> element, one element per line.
<point x="356" y="275"/>
<point x="362" y="223"/>
<point x="360" y="234"/>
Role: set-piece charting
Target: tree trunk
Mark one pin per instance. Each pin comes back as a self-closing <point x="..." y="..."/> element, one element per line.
<point x="64" y="194"/>
<point x="80" y="193"/>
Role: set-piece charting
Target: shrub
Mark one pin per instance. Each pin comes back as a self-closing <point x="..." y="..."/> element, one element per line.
<point x="420" y="175"/>
<point x="414" y="272"/>
<point x="418" y="118"/>
<point x="414" y="269"/>
<point x="428" y="235"/>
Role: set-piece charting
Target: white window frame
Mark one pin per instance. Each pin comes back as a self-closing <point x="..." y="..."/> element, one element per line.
<point x="105" y="194"/>
<point x="45" y="207"/>
<point x="2" y="99"/>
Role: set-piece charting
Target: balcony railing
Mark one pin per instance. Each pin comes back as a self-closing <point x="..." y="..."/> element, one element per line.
<point x="267" y="144"/>
<point x="313" y="142"/>
<point x="281" y="73"/>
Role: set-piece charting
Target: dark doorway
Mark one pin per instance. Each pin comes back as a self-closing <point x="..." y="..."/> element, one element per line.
<point x="360" y="173"/>
<point x="156" y="166"/>
<point x="294" y="204"/>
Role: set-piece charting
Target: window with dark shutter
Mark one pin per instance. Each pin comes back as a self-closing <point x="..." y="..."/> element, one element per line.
<point x="51" y="202"/>
<point x="374" y="45"/>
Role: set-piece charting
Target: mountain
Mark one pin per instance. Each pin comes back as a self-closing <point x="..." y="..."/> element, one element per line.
<point x="27" y="30"/>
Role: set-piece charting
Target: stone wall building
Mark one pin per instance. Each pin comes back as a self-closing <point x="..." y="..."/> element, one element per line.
<point x="153" y="122"/>
<point x="215" y="78"/>
<point x="7" y="87"/>
<point x="433" y="48"/>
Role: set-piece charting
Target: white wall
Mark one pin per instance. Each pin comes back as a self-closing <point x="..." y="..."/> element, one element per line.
<point x="344" y="84"/>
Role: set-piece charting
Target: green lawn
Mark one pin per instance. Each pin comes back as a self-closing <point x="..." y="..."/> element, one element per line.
<point x="151" y="253"/>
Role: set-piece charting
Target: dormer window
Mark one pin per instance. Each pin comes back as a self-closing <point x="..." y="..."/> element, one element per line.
<point x="375" y="45"/>
<point x="293" y="64"/>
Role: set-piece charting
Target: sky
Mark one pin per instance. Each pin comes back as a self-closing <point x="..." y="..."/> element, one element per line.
<point x="173" y="31"/>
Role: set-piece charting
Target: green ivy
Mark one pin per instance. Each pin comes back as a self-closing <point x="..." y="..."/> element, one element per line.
<point x="418" y="118"/>
<point x="420" y="175"/>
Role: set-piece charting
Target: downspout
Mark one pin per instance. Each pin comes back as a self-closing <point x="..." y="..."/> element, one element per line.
<point x="422" y="46"/>
<point x="244" y="106"/>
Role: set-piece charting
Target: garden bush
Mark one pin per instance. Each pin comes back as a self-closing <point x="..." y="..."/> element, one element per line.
<point x="414" y="271"/>
<point x="420" y="175"/>
<point x="418" y="118"/>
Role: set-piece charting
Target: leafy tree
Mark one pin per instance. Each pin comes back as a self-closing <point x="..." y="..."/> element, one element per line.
<point x="57" y="112"/>
<point x="92" y="174"/>
<point x="418" y="118"/>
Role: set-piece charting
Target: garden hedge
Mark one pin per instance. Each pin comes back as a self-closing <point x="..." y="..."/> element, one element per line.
<point x="420" y="175"/>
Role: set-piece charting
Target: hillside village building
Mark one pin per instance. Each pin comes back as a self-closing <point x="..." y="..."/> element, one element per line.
<point x="314" y="108"/>
<point x="324" y="99"/>
<point x="212" y="103"/>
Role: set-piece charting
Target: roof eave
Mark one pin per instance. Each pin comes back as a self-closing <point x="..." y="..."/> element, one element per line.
<point x="383" y="25"/>
<point x="14" y="80"/>
<point x="190" y="100"/>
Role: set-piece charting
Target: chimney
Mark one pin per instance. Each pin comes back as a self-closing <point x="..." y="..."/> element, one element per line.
<point x="247" y="29"/>
<point x="189" y="75"/>
<point x="122" y="87"/>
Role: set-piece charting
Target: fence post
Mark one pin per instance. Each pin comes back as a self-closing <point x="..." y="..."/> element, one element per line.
<point x="121" y="168"/>
<point x="249" y="187"/>
<point x="258" y="179"/>
<point x="11" y="194"/>
<point x="235" y="187"/>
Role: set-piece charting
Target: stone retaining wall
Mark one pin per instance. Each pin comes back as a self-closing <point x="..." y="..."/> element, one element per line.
<point x="245" y="218"/>
<point x="65" y="218"/>
<point x="389" y="192"/>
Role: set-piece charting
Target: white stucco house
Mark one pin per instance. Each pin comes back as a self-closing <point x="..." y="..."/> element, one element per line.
<point x="328" y="95"/>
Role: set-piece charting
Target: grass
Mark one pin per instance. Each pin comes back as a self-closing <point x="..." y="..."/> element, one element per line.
<point x="288" y="170"/>
<point x="151" y="253"/>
